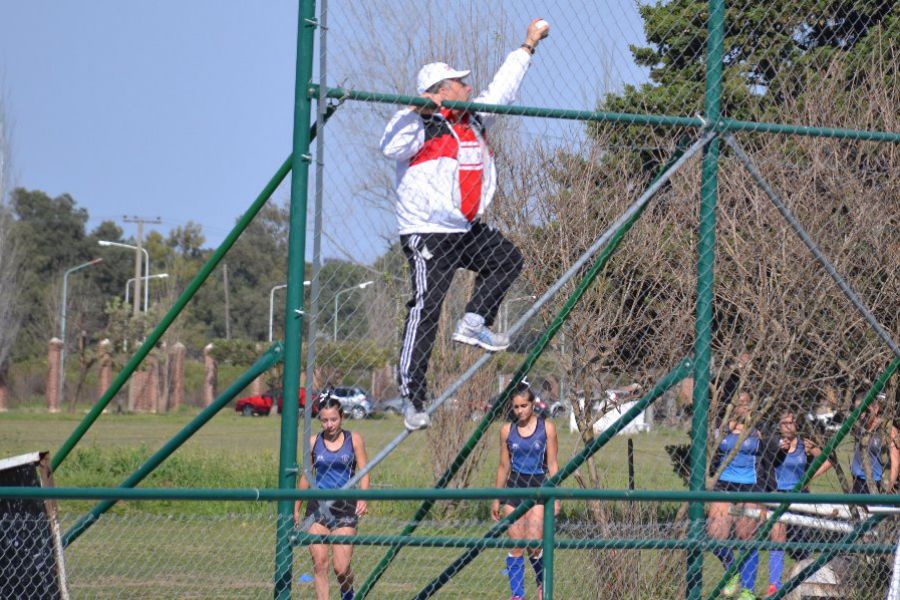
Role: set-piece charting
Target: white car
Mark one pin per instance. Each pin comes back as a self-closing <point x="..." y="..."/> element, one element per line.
<point x="354" y="401"/>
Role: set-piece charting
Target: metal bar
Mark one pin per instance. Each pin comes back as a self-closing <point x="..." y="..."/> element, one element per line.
<point x="596" y="444"/>
<point x="532" y="494"/>
<point x="313" y="313"/>
<point x="263" y="364"/>
<point x="179" y="305"/>
<point x="524" y="369"/>
<point x="706" y="258"/>
<point x="293" y="310"/>
<point x="422" y="541"/>
<point x="827" y="555"/>
<point x="548" y="542"/>
<point x="722" y="124"/>
<point x="811" y="245"/>
<point x="828" y="450"/>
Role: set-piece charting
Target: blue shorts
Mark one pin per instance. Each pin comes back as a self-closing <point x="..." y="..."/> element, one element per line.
<point x="522" y="480"/>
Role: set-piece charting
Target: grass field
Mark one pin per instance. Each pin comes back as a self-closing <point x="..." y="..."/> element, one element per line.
<point x="193" y="549"/>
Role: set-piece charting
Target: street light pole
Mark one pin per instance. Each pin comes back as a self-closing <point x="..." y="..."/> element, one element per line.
<point x="360" y="286"/>
<point x="145" y="278"/>
<point x="272" y="305"/>
<point x="106" y="244"/>
<point x="62" y="323"/>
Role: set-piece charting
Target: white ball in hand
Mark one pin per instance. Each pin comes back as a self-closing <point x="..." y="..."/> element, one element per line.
<point x="542" y="24"/>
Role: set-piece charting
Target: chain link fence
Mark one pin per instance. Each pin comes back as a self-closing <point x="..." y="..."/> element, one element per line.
<point x="610" y="550"/>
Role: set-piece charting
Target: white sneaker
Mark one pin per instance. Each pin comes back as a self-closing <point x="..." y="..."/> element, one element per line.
<point x="414" y="419"/>
<point x="471" y="330"/>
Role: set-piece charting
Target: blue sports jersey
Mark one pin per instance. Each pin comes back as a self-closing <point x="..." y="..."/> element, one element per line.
<point x="856" y="467"/>
<point x="742" y="468"/>
<point x="791" y="470"/>
<point x="334" y="469"/>
<point x="528" y="454"/>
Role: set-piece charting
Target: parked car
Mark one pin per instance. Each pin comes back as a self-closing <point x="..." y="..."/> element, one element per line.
<point x="263" y="403"/>
<point x="392" y="406"/>
<point x="354" y="400"/>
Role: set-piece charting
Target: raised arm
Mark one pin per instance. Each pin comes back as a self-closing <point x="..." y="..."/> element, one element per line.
<point x="404" y="135"/>
<point x="815" y="451"/>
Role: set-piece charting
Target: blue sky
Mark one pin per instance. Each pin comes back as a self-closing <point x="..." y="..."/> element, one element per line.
<point x="183" y="110"/>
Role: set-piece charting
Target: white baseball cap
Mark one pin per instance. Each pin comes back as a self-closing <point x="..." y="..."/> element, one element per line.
<point x="433" y="73"/>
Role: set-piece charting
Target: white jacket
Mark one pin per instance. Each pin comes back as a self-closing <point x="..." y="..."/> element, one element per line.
<point x="427" y="162"/>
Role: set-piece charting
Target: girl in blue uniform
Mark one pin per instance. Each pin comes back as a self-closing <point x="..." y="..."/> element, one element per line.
<point x="876" y="435"/>
<point x="793" y="457"/>
<point x="336" y="455"/>
<point x="739" y="475"/>
<point x="528" y="448"/>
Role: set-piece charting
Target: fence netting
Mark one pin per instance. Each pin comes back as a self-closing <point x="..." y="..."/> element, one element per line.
<point x="603" y="550"/>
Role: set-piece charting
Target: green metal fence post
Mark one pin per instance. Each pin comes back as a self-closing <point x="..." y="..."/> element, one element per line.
<point x="548" y="544"/>
<point x="293" y="310"/>
<point x="706" y="248"/>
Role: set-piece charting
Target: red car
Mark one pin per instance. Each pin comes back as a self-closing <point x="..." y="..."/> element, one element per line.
<point x="262" y="404"/>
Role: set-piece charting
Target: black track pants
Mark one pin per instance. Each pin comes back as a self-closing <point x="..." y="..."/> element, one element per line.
<point x="433" y="259"/>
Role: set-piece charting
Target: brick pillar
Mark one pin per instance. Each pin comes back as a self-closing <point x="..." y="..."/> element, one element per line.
<point x="53" y="392"/>
<point x="104" y="351"/>
<point x="151" y="389"/>
<point x="4" y="388"/>
<point x="178" y="351"/>
<point x="165" y="372"/>
<point x="210" y="376"/>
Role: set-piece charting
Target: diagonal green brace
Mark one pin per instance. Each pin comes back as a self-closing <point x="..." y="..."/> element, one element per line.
<point x="673" y="377"/>
<point x="828" y="450"/>
<point x="269" y="359"/>
<point x="179" y="305"/>
<point x="840" y="547"/>
<point x="534" y="354"/>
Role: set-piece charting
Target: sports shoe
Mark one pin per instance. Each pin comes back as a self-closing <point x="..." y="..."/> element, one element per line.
<point x="414" y="419"/>
<point x="472" y="330"/>
<point x="773" y="589"/>
<point x="746" y="595"/>
<point x="731" y="588"/>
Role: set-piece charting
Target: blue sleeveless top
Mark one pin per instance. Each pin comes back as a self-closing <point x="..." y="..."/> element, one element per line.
<point x="789" y="472"/>
<point x="856" y="467"/>
<point x="742" y="468"/>
<point x="334" y="469"/>
<point x="528" y="454"/>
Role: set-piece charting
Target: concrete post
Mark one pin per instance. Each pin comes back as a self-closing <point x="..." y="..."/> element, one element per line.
<point x="104" y="350"/>
<point x="256" y="387"/>
<point x="151" y="389"/>
<point x="210" y="376"/>
<point x="54" y="393"/>
<point x="178" y="351"/>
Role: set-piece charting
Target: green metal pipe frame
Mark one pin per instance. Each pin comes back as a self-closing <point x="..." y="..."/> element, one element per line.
<point x="293" y="309"/>
<point x="179" y="305"/>
<point x="391" y="495"/>
<point x="706" y="257"/>
<point x="763" y="532"/>
<point x="307" y="539"/>
<point x="589" y="450"/>
<point x="263" y="364"/>
<point x="501" y="400"/>
<point x="548" y="546"/>
<point x="827" y="555"/>
<point x="720" y="124"/>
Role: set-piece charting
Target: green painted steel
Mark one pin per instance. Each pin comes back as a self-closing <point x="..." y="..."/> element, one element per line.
<point x="423" y="541"/>
<point x="534" y="354"/>
<point x="179" y="305"/>
<point x="706" y="258"/>
<point x="534" y="494"/>
<point x="589" y="450"/>
<point x="293" y="309"/>
<point x="720" y="124"/>
<point x="827" y="555"/>
<point x="263" y="364"/>
<point x="548" y="543"/>
<point x="829" y="449"/>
